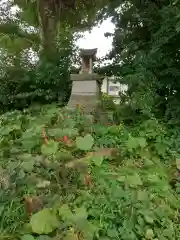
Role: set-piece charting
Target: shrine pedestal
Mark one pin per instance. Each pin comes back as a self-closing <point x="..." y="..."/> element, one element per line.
<point x="86" y="84"/>
<point x="85" y="92"/>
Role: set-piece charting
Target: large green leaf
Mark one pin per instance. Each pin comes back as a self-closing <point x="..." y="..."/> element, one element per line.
<point x="142" y="142"/>
<point x="153" y="178"/>
<point x="142" y="195"/>
<point x="44" y="222"/>
<point x="97" y="160"/>
<point x="64" y="155"/>
<point x="85" y="143"/>
<point x="80" y="214"/>
<point x="132" y="143"/>
<point x="82" y="224"/>
<point x="27" y="165"/>
<point x="134" y="180"/>
<point x="50" y="148"/>
<point x="27" y="162"/>
<point x="27" y="237"/>
<point x="65" y="212"/>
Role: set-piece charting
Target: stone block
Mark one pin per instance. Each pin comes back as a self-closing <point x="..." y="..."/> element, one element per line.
<point x="85" y="92"/>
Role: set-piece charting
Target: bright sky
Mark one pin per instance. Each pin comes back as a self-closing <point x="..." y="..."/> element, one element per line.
<point x="96" y="38"/>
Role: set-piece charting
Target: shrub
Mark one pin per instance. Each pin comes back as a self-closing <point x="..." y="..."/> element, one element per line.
<point x="45" y="83"/>
<point x="107" y="102"/>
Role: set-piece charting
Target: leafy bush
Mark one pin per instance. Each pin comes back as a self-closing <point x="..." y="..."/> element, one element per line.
<point x="145" y="46"/>
<point x="45" y="83"/>
<point x="107" y="102"/>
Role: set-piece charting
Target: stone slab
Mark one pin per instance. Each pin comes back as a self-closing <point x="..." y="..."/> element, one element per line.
<point x="84" y="92"/>
<point x="89" y="102"/>
<point x="84" y="76"/>
<point x="84" y="87"/>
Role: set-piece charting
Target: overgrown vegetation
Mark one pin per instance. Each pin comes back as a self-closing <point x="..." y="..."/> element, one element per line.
<point x="146" y="56"/>
<point x="63" y="176"/>
<point x="85" y="181"/>
<point x="37" y="43"/>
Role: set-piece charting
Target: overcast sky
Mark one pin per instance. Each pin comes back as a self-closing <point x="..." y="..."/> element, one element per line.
<point x="96" y="38"/>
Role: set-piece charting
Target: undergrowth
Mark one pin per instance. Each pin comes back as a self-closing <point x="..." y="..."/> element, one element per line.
<point x="63" y="177"/>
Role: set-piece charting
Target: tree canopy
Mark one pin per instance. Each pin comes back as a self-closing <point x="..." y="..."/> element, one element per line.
<point x="145" y="45"/>
<point x="38" y="37"/>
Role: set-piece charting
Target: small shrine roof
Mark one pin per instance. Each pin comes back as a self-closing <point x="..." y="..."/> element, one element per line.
<point x="88" y="52"/>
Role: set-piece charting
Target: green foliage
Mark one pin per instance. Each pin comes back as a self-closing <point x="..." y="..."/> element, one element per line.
<point x="132" y="202"/>
<point x="145" y="46"/>
<point x="27" y="75"/>
<point x="69" y="181"/>
<point x="27" y="237"/>
<point x="37" y="49"/>
<point x="44" y="222"/>
<point x="50" y="148"/>
<point x="22" y="87"/>
<point x="131" y="195"/>
<point x="107" y="102"/>
<point x="96" y="160"/>
<point x="85" y="143"/>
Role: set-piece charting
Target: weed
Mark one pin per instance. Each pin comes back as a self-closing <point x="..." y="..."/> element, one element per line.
<point x="69" y="180"/>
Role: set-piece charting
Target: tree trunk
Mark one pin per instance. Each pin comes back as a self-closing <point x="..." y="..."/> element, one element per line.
<point x="49" y="23"/>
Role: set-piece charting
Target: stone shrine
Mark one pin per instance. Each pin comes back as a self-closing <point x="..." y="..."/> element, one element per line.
<point x="86" y="84"/>
<point x="87" y="58"/>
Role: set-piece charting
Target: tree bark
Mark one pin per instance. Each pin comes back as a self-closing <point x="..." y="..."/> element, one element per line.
<point x="49" y="23"/>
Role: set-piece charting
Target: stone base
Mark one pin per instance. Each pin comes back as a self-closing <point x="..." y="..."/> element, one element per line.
<point x="85" y="92"/>
<point x="88" y="103"/>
